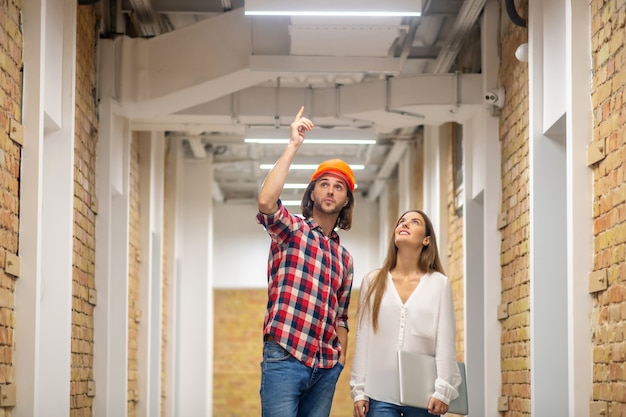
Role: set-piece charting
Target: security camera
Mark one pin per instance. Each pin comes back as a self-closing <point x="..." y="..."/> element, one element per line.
<point x="495" y="97"/>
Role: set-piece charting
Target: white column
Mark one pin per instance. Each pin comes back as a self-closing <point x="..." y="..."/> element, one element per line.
<point x="486" y="402"/>
<point x="579" y="203"/>
<point x="151" y="180"/>
<point x="548" y="225"/>
<point x="173" y="201"/>
<point x="474" y="271"/>
<point x="44" y="293"/>
<point x="27" y="287"/>
<point x="111" y="272"/>
<point x="194" y="391"/>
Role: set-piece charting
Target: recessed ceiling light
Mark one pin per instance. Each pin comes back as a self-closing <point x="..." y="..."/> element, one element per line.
<point x="291" y="202"/>
<point x="329" y="8"/>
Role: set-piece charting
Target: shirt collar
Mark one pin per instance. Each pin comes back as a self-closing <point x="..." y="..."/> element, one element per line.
<point x="315" y="225"/>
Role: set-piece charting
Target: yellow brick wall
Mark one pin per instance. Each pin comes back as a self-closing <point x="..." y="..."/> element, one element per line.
<point x="10" y="153"/>
<point x="342" y="403"/>
<point x="456" y="260"/>
<point x="609" y="197"/>
<point x="134" y="259"/>
<point x="514" y="259"/>
<point x="85" y="205"/>
<point x="238" y="327"/>
<point x="238" y="352"/>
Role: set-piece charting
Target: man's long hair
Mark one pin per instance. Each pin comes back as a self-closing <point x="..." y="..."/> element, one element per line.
<point x="344" y="221"/>
<point x="428" y="262"/>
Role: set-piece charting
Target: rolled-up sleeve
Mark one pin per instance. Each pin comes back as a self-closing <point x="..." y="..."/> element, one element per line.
<point x="279" y="225"/>
<point x="344" y="296"/>
<point x="448" y="374"/>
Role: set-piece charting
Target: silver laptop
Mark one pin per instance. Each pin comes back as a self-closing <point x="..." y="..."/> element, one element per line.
<point x="417" y="382"/>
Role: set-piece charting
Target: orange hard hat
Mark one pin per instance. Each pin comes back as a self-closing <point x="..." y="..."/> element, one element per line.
<point x="337" y="167"/>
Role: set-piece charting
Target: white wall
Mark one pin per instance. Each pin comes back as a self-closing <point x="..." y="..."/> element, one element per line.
<point x="242" y="245"/>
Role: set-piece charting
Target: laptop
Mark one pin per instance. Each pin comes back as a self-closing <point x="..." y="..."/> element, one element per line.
<point x="417" y="382"/>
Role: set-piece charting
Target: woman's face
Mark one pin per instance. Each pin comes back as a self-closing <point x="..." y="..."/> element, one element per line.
<point x="411" y="228"/>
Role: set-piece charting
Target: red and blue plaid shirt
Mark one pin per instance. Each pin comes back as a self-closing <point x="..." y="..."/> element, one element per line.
<point x="309" y="284"/>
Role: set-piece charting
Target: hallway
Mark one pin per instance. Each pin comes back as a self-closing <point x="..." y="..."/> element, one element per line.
<point x="133" y="270"/>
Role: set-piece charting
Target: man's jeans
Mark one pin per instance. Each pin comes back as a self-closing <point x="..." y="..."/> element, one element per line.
<point x="382" y="409"/>
<point x="289" y="388"/>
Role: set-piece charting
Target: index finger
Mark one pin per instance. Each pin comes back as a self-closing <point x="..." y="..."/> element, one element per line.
<point x="299" y="115"/>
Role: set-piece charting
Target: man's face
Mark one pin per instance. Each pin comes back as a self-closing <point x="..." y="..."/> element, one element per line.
<point x="330" y="194"/>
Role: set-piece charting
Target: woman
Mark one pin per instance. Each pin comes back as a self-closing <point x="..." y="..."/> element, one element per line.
<point x="405" y="305"/>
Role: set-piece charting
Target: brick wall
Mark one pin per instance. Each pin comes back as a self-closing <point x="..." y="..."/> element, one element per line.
<point x="134" y="259"/>
<point x="514" y="259"/>
<point x="456" y="260"/>
<point x="10" y="154"/>
<point x="342" y="403"/>
<point x="238" y="327"/>
<point x="238" y="352"/>
<point x="609" y="209"/>
<point x="83" y="279"/>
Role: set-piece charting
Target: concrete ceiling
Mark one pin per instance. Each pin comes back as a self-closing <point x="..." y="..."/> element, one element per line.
<point x="203" y="71"/>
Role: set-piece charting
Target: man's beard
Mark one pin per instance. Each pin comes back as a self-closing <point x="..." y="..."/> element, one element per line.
<point x="324" y="209"/>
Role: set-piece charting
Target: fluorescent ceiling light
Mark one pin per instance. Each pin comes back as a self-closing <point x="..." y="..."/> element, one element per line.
<point x="291" y="202"/>
<point x="329" y="13"/>
<point x="310" y="167"/>
<point x="361" y="8"/>
<point x="295" y="186"/>
<point x="318" y="136"/>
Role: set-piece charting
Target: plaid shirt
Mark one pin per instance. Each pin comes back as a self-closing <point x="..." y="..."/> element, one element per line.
<point x="309" y="284"/>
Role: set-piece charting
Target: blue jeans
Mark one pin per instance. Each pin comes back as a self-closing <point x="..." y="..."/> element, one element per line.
<point x="383" y="409"/>
<point x="289" y="388"/>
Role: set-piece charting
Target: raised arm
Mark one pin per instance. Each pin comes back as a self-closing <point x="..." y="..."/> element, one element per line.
<point x="275" y="179"/>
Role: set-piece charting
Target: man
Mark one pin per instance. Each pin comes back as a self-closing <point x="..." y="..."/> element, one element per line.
<point x="309" y="283"/>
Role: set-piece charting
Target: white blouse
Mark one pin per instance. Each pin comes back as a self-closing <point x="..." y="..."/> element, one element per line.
<point x="424" y="324"/>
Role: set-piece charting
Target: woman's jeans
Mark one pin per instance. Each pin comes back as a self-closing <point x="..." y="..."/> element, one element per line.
<point x="382" y="409"/>
<point x="289" y="388"/>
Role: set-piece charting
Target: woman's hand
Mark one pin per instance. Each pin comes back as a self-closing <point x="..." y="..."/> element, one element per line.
<point x="437" y="407"/>
<point x="299" y="127"/>
<point x="361" y="408"/>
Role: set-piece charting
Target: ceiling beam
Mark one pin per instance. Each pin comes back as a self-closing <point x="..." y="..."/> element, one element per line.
<point x="197" y="148"/>
<point x="146" y="20"/>
<point x="324" y="64"/>
<point x="464" y="22"/>
<point x="386" y="170"/>
<point x="432" y="95"/>
<point x="170" y="72"/>
<point x="408" y="41"/>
